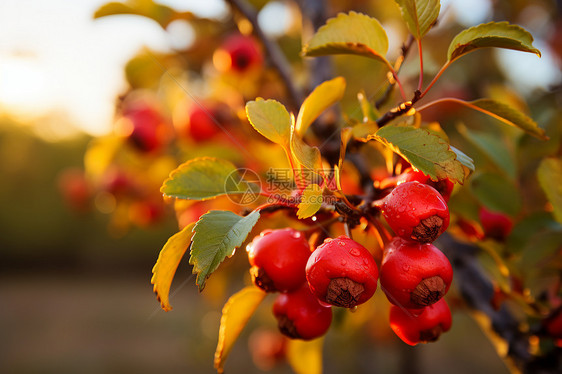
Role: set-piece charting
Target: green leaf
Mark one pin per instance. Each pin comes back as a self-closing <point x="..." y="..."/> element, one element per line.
<point x="509" y="115"/>
<point x="492" y="147"/>
<point x="305" y="357"/>
<point x="466" y="161"/>
<point x="550" y="179"/>
<point x="217" y="235"/>
<point x="311" y="201"/>
<point x="324" y="96"/>
<point x="352" y="33"/>
<point x="271" y="119"/>
<point x="496" y="192"/>
<point x="493" y="34"/>
<point x="205" y="178"/>
<point x="419" y="15"/>
<point x="425" y="151"/>
<point x="168" y="261"/>
<point x="235" y="315"/>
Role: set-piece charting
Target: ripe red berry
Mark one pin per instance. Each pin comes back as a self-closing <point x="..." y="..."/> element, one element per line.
<point x="278" y="259"/>
<point x="144" y="126"/>
<point x="268" y="348"/>
<point x="496" y="225"/>
<point x="553" y="325"/>
<point x="443" y="186"/>
<point x="414" y="275"/>
<point x="238" y="53"/>
<point x="342" y="272"/>
<point x="300" y="315"/>
<point x="421" y="328"/>
<point x="416" y="211"/>
<point x="203" y="123"/>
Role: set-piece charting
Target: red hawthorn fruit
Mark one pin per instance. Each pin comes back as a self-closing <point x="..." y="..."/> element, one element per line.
<point x="553" y="325"/>
<point x="75" y="189"/>
<point x="238" y="53"/>
<point x="144" y="127"/>
<point x="118" y="183"/>
<point x="268" y="348"/>
<point x="300" y="316"/>
<point x="342" y="272"/>
<point x="443" y="186"/>
<point x="145" y="213"/>
<point x="414" y="275"/>
<point x="496" y="225"/>
<point x="424" y="327"/>
<point x="202" y="125"/>
<point x="416" y="211"/>
<point x="278" y="259"/>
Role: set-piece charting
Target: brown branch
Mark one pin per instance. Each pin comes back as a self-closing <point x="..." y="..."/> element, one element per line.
<point x="478" y="291"/>
<point x="273" y="53"/>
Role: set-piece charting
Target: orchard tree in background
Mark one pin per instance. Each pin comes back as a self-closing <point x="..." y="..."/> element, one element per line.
<point x="337" y="172"/>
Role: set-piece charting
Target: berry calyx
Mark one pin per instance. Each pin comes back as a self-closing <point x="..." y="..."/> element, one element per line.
<point x="342" y="272"/>
<point x="278" y="259"/>
<point x="424" y="327"/>
<point x="496" y="225"/>
<point x="300" y="316"/>
<point x="416" y="211"/>
<point x="414" y="275"/>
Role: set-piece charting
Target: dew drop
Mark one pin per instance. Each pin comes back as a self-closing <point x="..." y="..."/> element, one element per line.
<point x="343" y="262"/>
<point x="354" y="252"/>
<point x="342" y="244"/>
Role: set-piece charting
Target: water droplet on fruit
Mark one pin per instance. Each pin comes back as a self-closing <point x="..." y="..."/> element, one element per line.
<point x="406" y="267"/>
<point x="343" y="262"/>
<point x="341" y="243"/>
<point x="354" y="252"/>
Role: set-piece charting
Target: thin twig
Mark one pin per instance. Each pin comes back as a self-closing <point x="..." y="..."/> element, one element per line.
<point x="398" y="65"/>
<point x="275" y="56"/>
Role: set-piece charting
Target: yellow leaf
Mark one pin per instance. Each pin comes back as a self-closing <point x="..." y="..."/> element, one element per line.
<point x="305" y="357"/>
<point x="324" y="96"/>
<point x="271" y="119"/>
<point x="235" y="315"/>
<point x="168" y="260"/>
<point x="311" y="201"/>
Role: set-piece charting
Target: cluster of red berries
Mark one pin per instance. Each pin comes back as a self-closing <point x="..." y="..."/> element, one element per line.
<point x="415" y="275"/>
<point x="340" y="272"/>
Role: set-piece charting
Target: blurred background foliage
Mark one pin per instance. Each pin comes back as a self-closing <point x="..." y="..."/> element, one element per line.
<point x="82" y="219"/>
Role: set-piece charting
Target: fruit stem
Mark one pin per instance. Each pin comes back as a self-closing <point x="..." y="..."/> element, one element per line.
<point x="420" y="82"/>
